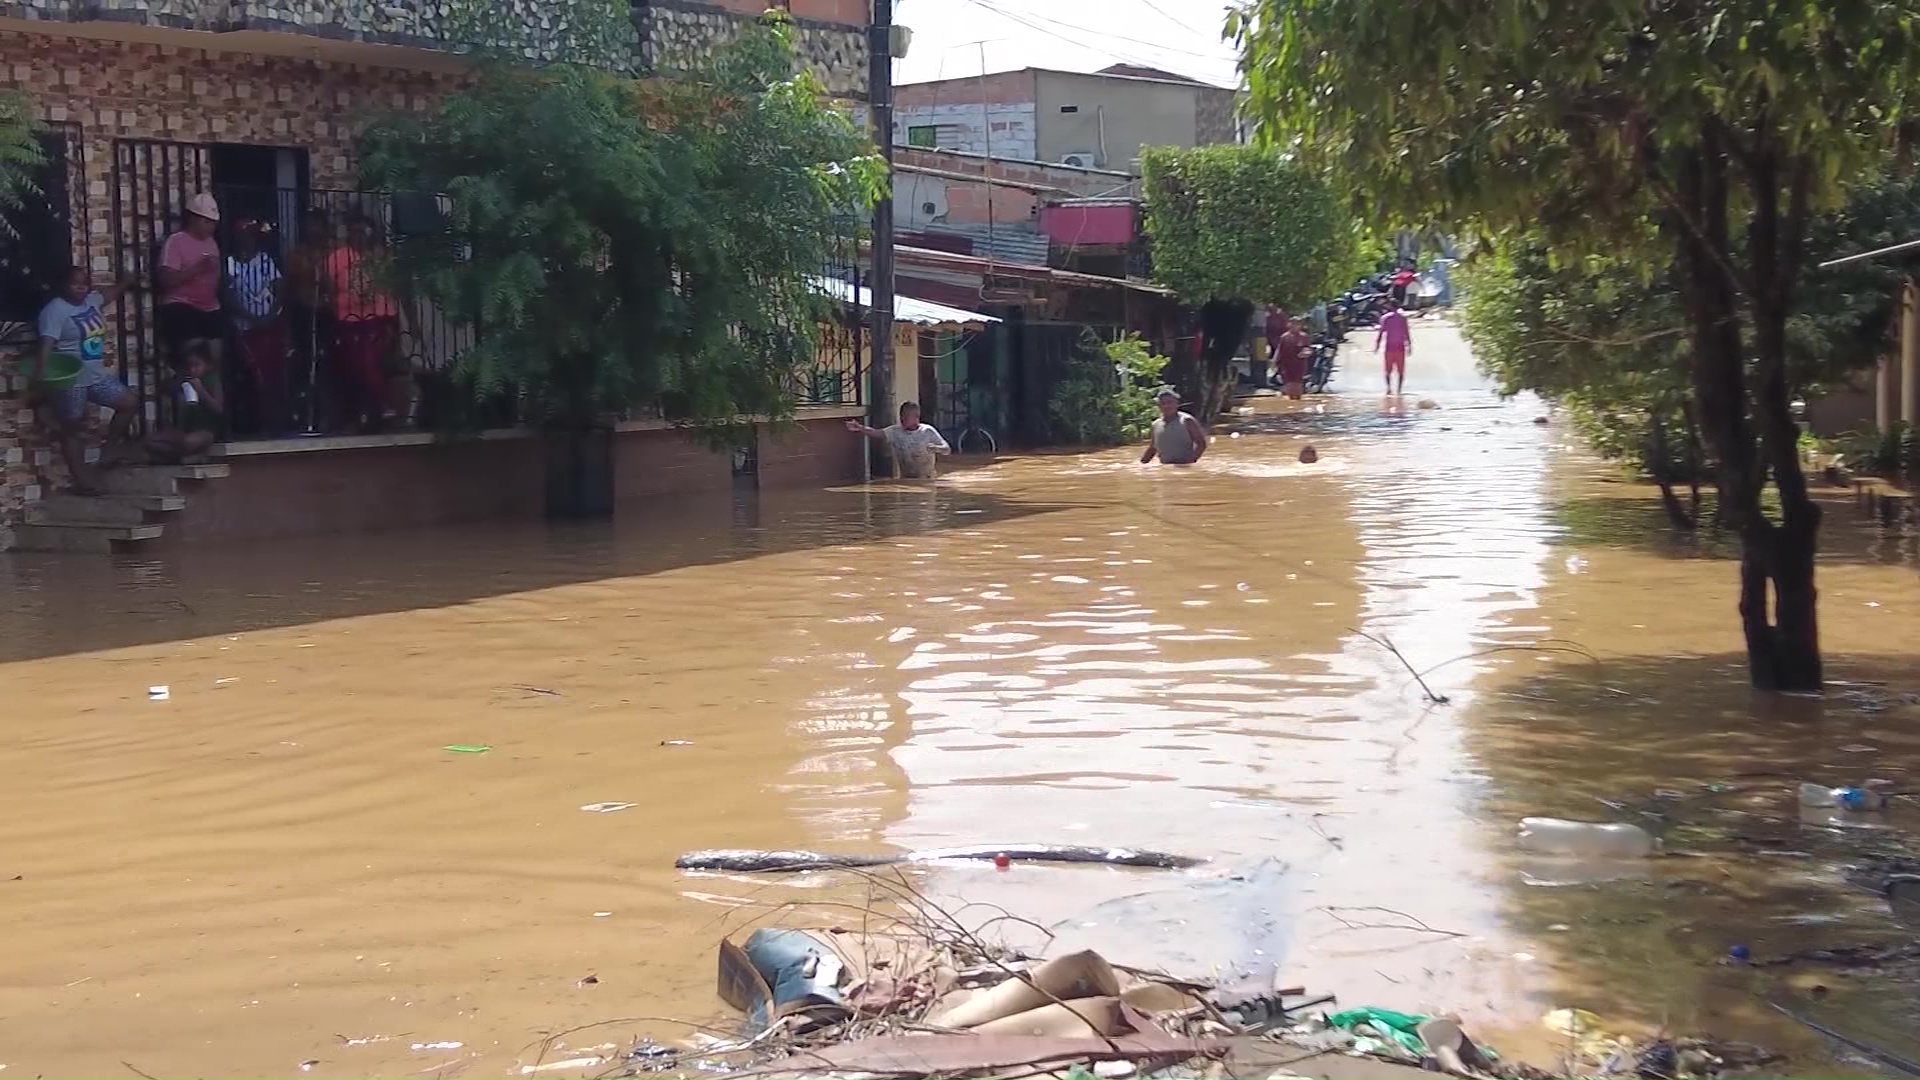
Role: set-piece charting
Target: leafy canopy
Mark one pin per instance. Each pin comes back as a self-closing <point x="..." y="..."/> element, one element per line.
<point x="1560" y="116"/>
<point x="1107" y="397"/>
<point x="20" y="154"/>
<point x="621" y="244"/>
<point x="1244" y="223"/>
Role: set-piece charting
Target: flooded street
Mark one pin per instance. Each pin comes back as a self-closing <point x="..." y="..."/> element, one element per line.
<point x="281" y="862"/>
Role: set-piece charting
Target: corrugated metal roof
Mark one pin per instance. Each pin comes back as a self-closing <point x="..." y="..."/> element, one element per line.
<point x="906" y="308"/>
<point x="1006" y="243"/>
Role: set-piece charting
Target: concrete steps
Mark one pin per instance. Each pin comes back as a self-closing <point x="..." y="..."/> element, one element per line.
<point x="132" y="512"/>
<point x="104" y="509"/>
<point x="97" y="539"/>
<point x="159" y="479"/>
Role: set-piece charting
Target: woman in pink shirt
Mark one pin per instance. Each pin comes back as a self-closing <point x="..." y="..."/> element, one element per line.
<point x="366" y="327"/>
<point x="187" y="303"/>
<point x="1397" y="336"/>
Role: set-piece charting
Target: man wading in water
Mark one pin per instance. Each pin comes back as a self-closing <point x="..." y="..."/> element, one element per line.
<point x="1178" y="439"/>
<point x="911" y="444"/>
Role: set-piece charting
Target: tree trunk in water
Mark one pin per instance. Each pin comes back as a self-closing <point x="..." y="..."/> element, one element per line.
<point x="1747" y="435"/>
<point x="1659" y="466"/>
<point x="579" y="473"/>
<point x="1223" y="329"/>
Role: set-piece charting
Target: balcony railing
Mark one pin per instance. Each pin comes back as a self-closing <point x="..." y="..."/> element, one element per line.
<point x="343" y="352"/>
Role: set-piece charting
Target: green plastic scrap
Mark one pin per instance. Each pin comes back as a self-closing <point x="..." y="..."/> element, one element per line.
<point x="1401" y="1027"/>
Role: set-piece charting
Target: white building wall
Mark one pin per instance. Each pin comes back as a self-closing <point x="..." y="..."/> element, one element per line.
<point x="1005" y="131"/>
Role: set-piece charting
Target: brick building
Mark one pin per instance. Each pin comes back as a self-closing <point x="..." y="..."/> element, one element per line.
<point x="149" y="101"/>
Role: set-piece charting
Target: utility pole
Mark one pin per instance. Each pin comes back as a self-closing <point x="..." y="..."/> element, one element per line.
<point x="880" y="102"/>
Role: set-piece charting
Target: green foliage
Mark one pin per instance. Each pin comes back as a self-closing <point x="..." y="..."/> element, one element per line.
<point x="1593" y="338"/>
<point x="20" y="154"/>
<point x="1596" y="336"/>
<point x="1243" y="223"/>
<point x="1107" y="396"/>
<point x="1874" y="452"/>
<point x="626" y="245"/>
<point x="1564" y="117"/>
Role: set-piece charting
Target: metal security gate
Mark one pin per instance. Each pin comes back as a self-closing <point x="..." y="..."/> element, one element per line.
<point x="152" y="181"/>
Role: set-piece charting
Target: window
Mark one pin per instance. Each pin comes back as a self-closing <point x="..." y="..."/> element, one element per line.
<point x="926" y="136"/>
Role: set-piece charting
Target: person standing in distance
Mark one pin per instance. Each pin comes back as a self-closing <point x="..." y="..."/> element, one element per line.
<point x="1397" y="336"/>
<point x="1178" y="439"/>
<point x="910" y="443"/>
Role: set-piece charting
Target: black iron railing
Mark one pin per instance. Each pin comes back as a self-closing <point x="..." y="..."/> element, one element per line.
<point x="343" y="348"/>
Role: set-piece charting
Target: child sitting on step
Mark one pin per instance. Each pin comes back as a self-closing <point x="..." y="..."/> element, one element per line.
<point x="197" y="410"/>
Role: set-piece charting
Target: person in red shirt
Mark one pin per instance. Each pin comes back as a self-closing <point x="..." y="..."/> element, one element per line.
<point x="1403" y="284"/>
<point x="1397" y="336"/>
<point x="366" y="328"/>
<point x="1276" y="328"/>
<point x="1290" y="355"/>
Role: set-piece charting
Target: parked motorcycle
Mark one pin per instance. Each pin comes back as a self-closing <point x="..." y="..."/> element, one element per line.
<point x="1326" y="350"/>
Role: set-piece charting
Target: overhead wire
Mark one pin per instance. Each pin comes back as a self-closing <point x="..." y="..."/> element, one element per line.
<point x="1025" y="17"/>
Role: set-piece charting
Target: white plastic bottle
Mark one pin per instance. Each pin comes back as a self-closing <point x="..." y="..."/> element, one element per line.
<point x="1844" y="798"/>
<point x="1587" y="839"/>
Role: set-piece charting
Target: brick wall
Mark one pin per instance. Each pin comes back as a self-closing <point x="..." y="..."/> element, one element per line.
<point x="365" y="490"/>
<point x="1004" y="88"/>
<point x="656" y="463"/>
<point x="811" y="453"/>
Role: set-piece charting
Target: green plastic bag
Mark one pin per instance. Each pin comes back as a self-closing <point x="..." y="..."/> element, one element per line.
<point x="1398" y="1026"/>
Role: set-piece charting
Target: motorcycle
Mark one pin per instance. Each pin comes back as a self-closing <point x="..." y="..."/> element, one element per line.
<point x="1338" y="319"/>
<point x="1326" y="350"/>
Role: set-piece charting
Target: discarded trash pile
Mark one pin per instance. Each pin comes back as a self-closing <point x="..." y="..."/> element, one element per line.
<point x="907" y="1000"/>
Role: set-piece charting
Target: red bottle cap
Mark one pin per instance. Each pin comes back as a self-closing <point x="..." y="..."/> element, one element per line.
<point x="1001" y="862"/>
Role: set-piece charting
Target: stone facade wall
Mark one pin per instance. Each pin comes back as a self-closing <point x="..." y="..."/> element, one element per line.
<point x="676" y="35"/>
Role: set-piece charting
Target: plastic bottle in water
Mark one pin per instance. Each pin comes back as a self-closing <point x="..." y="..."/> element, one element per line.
<point x="1552" y="836"/>
<point x="1844" y="798"/>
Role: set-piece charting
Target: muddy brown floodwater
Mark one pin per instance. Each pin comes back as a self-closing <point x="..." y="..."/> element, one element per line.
<point x="281" y="864"/>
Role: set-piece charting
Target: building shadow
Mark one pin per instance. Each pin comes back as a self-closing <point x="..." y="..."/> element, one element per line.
<point x="53" y="605"/>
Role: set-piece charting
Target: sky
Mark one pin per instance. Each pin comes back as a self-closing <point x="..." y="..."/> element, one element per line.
<point x="949" y="37"/>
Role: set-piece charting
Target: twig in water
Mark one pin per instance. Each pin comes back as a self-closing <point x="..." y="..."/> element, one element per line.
<point x="136" y="1071"/>
<point x="1418" y="925"/>
<point x="1437" y="699"/>
<point x="1325" y="835"/>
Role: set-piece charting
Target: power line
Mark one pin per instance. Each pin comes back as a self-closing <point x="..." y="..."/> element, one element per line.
<point x="1023" y="20"/>
<point x="1167" y="15"/>
<point x="1155" y="45"/>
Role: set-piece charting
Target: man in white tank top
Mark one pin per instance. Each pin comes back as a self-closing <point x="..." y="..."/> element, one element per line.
<point x="1178" y="439"/>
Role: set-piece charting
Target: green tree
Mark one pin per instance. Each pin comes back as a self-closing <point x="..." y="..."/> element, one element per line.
<point x="1236" y="226"/>
<point x="1107" y="396"/>
<point x="1596" y="339"/>
<point x="1595" y="336"/>
<point x="624" y="244"/>
<point x="1701" y="135"/>
<point x="20" y="154"/>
